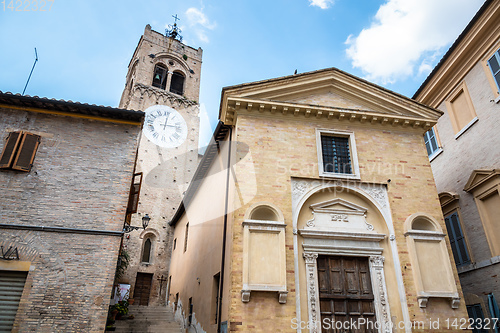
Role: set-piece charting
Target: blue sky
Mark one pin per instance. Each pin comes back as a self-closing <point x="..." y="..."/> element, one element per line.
<point x="84" y="46"/>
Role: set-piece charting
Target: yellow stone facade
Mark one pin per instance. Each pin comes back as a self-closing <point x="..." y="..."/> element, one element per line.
<point x="276" y="125"/>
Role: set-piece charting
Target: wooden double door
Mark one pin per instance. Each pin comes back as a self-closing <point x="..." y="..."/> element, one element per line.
<point x="346" y="295"/>
<point x="142" y="288"/>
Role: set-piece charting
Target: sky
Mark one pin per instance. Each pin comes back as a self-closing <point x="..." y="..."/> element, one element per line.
<point x="84" y="46"/>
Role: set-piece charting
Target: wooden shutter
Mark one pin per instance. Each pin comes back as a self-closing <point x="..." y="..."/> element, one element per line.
<point x="10" y="149"/>
<point x="457" y="239"/>
<point x="135" y="190"/>
<point x="27" y="151"/>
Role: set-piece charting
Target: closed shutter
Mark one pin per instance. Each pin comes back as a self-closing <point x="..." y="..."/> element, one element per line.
<point x="11" y="289"/>
<point x="9" y="149"/>
<point x="27" y="152"/>
<point x="457" y="239"/>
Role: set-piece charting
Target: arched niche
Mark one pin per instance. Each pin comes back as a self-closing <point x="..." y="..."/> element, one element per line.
<point x="149" y="238"/>
<point x="177" y="82"/>
<point x="264" y="255"/>
<point x="432" y="269"/>
<point x="342" y="224"/>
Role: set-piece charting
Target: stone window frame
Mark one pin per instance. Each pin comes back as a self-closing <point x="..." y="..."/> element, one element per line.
<point x="460" y="89"/>
<point x="152" y="237"/>
<point x="262" y="226"/>
<point x="487" y="70"/>
<point x="480" y="188"/>
<point x="352" y="151"/>
<point x="437" y="141"/>
<point x="418" y="235"/>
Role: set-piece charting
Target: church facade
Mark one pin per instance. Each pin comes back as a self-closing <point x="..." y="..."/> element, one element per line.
<point x="163" y="80"/>
<point x="315" y="209"/>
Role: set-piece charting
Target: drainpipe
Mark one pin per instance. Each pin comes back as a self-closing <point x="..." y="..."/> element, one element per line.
<point x="224" y="235"/>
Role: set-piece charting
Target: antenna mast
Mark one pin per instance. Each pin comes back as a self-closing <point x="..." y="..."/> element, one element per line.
<point x="29" y="77"/>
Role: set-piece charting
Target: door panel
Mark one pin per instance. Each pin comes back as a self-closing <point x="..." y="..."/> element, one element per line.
<point x="345" y="294"/>
<point x="143" y="288"/>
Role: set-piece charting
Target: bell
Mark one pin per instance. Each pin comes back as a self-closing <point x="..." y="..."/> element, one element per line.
<point x="157" y="77"/>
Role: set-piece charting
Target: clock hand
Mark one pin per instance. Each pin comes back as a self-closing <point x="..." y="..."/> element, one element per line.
<point x="166" y="121"/>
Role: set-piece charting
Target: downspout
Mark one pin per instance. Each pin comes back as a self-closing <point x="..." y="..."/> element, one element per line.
<point x="224" y="234"/>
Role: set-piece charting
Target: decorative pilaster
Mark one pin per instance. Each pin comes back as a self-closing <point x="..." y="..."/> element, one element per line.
<point x="380" y="293"/>
<point x="312" y="292"/>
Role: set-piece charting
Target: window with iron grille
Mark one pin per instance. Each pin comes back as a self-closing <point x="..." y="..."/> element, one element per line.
<point x="160" y="77"/>
<point x="336" y="154"/>
<point x="494" y="64"/>
<point x="19" y="151"/>
<point x="457" y="239"/>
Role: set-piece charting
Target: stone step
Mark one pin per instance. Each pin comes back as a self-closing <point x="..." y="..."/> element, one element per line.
<point x="150" y="319"/>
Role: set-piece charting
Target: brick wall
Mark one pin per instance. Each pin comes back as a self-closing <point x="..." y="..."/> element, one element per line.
<point x="80" y="179"/>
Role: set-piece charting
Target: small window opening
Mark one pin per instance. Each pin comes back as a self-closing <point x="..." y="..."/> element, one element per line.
<point x="146" y="252"/>
<point x="160" y="77"/>
<point x="177" y="84"/>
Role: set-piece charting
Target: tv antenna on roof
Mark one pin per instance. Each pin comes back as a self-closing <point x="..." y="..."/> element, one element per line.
<point x="29" y="77"/>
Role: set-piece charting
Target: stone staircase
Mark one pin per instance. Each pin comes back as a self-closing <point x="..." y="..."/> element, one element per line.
<point x="150" y="319"/>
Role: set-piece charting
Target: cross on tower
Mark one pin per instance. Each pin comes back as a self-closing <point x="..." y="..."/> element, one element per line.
<point x="175" y="18"/>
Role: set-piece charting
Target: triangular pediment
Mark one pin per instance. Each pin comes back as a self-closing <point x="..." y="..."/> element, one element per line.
<point x="338" y="206"/>
<point x="322" y="93"/>
<point x="479" y="177"/>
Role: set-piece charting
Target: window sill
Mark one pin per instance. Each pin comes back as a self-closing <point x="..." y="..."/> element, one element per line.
<point x="435" y="154"/>
<point x="469" y="125"/>
<point x="478" y="265"/>
<point x="497" y="100"/>
<point x="339" y="175"/>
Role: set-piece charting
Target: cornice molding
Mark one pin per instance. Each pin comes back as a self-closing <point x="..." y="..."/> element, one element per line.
<point x="166" y="95"/>
<point x="475" y="44"/>
<point x="237" y="105"/>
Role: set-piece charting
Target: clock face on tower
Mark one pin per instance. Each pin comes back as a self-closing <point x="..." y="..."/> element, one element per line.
<point x="164" y="126"/>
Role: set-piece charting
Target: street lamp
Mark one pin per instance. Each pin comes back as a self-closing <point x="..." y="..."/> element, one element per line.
<point x="145" y="222"/>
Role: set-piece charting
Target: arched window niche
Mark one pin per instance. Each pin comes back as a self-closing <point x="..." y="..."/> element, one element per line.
<point x="264" y="257"/>
<point x="147" y="251"/>
<point x="160" y="75"/>
<point x="430" y="260"/>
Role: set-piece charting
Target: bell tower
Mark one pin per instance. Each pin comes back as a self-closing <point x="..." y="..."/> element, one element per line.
<point x="163" y="80"/>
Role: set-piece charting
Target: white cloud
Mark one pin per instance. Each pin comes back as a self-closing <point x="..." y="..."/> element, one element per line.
<point x="200" y="23"/>
<point x="408" y="34"/>
<point x="323" y="4"/>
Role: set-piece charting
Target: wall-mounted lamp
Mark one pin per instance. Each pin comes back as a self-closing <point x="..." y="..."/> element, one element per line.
<point x="145" y="222"/>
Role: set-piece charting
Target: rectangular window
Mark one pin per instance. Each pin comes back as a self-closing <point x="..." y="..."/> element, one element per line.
<point x="190" y="308"/>
<point x="457" y="239"/>
<point x="175" y="243"/>
<point x="337" y="154"/>
<point x="186" y="237"/>
<point x="431" y="142"/>
<point x="494" y="64"/>
<point x="19" y="151"/>
<point x="477" y="318"/>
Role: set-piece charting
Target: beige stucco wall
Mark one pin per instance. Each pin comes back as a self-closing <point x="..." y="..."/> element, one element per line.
<point x="192" y="271"/>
